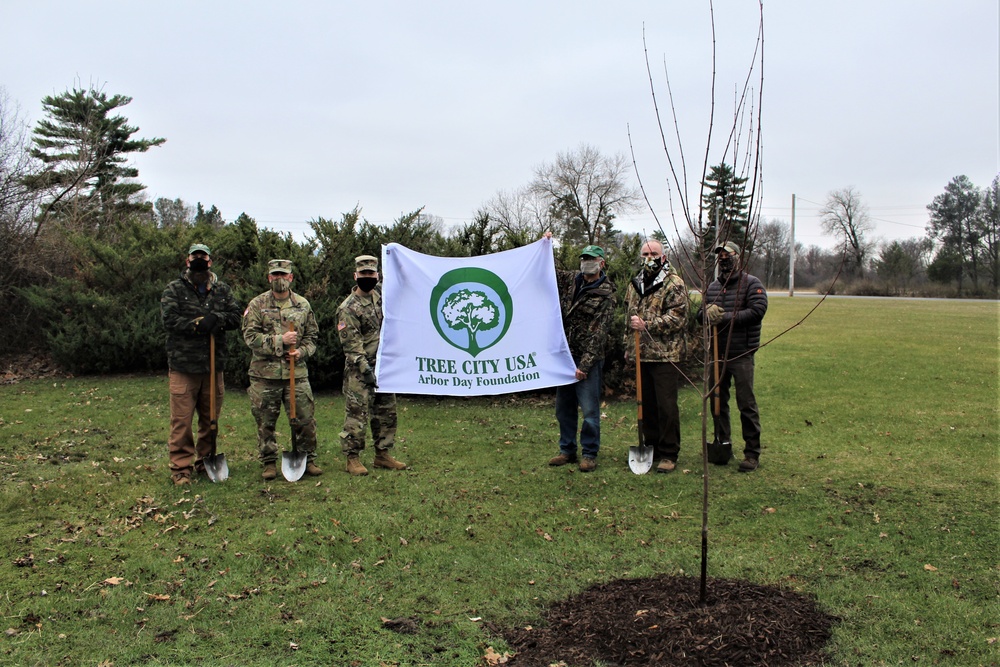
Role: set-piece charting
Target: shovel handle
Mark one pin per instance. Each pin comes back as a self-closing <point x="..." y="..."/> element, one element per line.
<point x="715" y="364"/>
<point x="638" y="376"/>
<point x="291" y="378"/>
<point x="211" y="380"/>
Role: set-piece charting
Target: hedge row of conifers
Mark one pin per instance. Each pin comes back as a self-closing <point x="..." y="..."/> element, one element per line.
<point x="102" y="314"/>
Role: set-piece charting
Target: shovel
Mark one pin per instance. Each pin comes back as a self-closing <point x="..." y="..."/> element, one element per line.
<point x="215" y="464"/>
<point x="293" y="463"/>
<point x="719" y="453"/>
<point x="640" y="458"/>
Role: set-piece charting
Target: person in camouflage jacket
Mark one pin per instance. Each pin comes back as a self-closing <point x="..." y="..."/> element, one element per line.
<point x="587" y="299"/>
<point x="359" y="322"/>
<point x="279" y="325"/>
<point x="656" y="307"/>
<point x="195" y="308"/>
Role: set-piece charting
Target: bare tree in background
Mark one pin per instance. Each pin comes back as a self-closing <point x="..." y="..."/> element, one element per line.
<point x="845" y="216"/>
<point x="517" y="217"/>
<point x="17" y="203"/>
<point x="770" y="252"/>
<point x="584" y="192"/>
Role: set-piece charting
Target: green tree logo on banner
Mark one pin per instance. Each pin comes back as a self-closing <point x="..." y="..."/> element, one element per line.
<point x="471" y="309"/>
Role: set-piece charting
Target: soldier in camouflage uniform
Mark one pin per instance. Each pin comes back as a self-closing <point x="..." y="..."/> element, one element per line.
<point x="587" y="298"/>
<point x="194" y="307"/>
<point x="359" y="321"/>
<point x="656" y="305"/>
<point x="278" y="325"/>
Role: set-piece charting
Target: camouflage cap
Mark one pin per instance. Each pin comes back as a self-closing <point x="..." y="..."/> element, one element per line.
<point x="593" y="251"/>
<point x="365" y="263"/>
<point x="730" y="247"/>
<point x="199" y="247"/>
<point x="279" y="266"/>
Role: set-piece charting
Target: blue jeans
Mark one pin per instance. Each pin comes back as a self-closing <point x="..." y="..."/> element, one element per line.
<point x="585" y="394"/>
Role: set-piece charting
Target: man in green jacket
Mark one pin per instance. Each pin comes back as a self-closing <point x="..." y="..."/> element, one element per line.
<point x="194" y="308"/>
<point x="587" y="299"/>
<point x="279" y="326"/>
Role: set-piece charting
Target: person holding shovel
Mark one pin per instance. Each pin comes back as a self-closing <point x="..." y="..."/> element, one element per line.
<point x="735" y="304"/>
<point x="656" y="307"/>
<point x="359" y="321"/>
<point x="279" y="326"/>
<point x="194" y="309"/>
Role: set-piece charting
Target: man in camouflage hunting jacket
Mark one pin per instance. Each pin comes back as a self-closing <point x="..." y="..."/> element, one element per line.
<point x="587" y="299"/>
<point x="656" y="307"/>
<point x="359" y="321"/>
<point x="279" y="325"/>
<point x="194" y="308"/>
<point x="735" y="304"/>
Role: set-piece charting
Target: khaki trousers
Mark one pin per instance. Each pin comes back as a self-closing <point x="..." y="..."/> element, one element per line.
<point x="189" y="393"/>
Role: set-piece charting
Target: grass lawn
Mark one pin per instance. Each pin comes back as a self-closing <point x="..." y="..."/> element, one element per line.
<point x="877" y="495"/>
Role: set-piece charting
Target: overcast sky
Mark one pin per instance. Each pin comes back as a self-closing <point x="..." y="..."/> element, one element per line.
<point x="290" y="111"/>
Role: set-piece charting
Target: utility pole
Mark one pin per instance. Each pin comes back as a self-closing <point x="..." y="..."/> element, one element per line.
<point x="791" y="254"/>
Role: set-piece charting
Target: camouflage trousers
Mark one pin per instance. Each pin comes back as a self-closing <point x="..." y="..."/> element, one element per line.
<point x="266" y="398"/>
<point x="363" y="405"/>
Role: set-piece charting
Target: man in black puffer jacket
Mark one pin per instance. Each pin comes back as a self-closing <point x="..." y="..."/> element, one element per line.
<point x="735" y="304"/>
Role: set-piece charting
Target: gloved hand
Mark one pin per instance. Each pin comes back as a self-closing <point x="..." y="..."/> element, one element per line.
<point x="368" y="377"/>
<point x="207" y="324"/>
<point x="714" y="314"/>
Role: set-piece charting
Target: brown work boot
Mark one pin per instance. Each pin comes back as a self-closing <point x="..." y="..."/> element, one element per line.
<point x="666" y="465"/>
<point x="313" y="469"/>
<point x="354" y="466"/>
<point x="270" y="471"/>
<point x="748" y="464"/>
<point x="383" y="459"/>
<point x="181" y="480"/>
<point x="587" y="464"/>
<point x="562" y="460"/>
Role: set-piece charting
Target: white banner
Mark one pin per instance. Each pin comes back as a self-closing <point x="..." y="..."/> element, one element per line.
<point x="470" y="326"/>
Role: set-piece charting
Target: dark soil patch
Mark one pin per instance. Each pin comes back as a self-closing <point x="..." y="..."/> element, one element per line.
<point x="28" y="366"/>
<point x="659" y="621"/>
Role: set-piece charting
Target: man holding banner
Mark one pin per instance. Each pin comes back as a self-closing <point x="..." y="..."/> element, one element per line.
<point x="359" y="323"/>
<point x="587" y="301"/>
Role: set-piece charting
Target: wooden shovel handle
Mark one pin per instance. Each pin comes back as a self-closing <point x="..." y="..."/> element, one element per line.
<point x="638" y="376"/>
<point x="291" y="378"/>
<point x="211" y="380"/>
<point x="715" y="358"/>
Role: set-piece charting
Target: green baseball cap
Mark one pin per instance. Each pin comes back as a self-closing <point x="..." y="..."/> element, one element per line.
<point x="593" y="251"/>
<point x="199" y="247"/>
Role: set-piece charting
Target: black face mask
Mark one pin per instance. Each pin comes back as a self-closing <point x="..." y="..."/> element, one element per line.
<point x="727" y="265"/>
<point x="366" y="284"/>
<point x="199" y="265"/>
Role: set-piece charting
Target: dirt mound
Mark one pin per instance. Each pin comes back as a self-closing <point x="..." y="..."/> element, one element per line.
<point x="659" y="621"/>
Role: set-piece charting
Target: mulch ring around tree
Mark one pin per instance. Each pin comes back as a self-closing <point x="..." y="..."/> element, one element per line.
<point x="659" y="621"/>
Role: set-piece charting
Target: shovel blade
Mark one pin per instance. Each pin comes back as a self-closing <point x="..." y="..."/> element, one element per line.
<point x="293" y="465"/>
<point x="720" y="453"/>
<point x="640" y="459"/>
<point x="216" y="467"/>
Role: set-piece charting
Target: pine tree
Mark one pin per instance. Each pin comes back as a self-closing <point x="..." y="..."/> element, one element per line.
<point x="725" y="200"/>
<point x="86" y="181"/>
